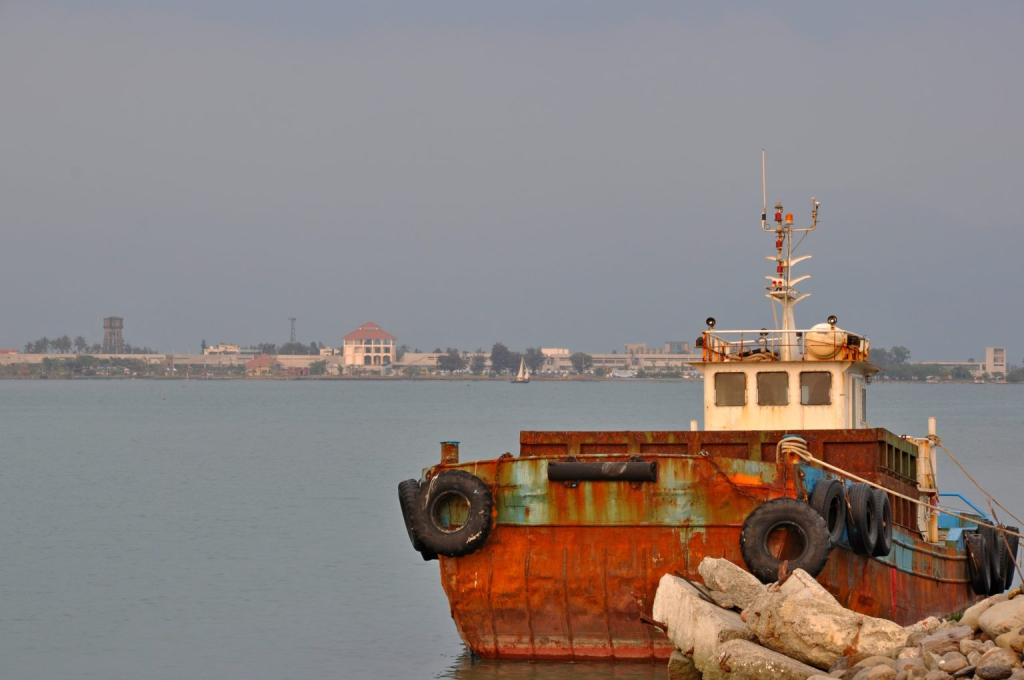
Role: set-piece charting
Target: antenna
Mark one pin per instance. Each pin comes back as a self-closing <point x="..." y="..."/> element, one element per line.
<point x="781" y="288"/>
<point x="292" y="319"/>
<point x="764" y="194"/>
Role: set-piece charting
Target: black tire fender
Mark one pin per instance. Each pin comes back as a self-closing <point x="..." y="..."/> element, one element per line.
<point x="408" y="494"/>
<point x="883" y="544"/>
<point x="862" y="523"/>
<point x="978" y="571"/>
<point x="805" y="534"/>
<point x="829" y="500"/>
<point x="997" y="554"/>
<point x="440" y="494"/>
<point x="1011" y="558"/>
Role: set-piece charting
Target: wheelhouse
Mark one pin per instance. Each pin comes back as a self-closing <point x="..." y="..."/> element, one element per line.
<point x="822" y="385"/>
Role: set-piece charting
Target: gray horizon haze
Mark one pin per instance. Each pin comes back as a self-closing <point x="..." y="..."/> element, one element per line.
<point x="562" y="174"/>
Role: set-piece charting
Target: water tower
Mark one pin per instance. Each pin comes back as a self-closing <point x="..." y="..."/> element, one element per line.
<point x="113" y="341"/>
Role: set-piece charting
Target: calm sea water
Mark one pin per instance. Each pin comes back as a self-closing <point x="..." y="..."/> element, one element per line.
<point x="251" y="529"/>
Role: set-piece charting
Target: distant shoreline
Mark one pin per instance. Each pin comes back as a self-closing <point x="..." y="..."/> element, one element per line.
<point x="424" y="378"/>
<point x="339" y="378"/>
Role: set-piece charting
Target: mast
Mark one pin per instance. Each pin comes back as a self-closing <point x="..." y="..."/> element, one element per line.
<point x="781" y="288"/>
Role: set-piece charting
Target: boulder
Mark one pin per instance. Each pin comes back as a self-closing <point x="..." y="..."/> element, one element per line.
<point x="681" y="667"/>
<point x="721" y="574"/>
<point x="997" y="664"/>
<point x="873" y="660"/>
<point x="695" y="626"/>
<point x="1002" y="617"/>
<point x="882" y="672"/>
<point x="722" y="599"/>
<point x="945" y="640"/>
<point x="931" y="661"/>
<point x="744" y="660"/>
<point x="938" y="675"/>
<point x="968" y="646"/>
<point x="922" y="629"/>
<point x="906" y="664"/>
<point x="971" y="614"/>
<point x="817" y="632"/>
<point x="800" y="584"/>
<point x="1013" y="641"/>
<point x="951" y="662"/>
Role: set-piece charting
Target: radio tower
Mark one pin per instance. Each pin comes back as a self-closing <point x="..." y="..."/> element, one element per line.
<point x="292" y="319"/>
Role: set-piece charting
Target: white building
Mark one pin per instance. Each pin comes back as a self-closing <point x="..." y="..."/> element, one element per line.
<point x="368" y="345"/>
<point x="223" y="348"/>
<point x="995" y="360"/>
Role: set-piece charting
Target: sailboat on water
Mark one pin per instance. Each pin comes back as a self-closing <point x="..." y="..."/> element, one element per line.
<point x="524" y="373"/>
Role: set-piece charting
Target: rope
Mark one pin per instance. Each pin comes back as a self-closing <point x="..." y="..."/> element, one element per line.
<point x="938" y="442"/>
<point x="798" y="446"/>
<point x="934" y="438"/>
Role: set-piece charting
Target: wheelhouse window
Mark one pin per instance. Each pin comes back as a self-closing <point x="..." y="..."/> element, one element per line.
<point x="730" y="389"/>
<point x="815" y="388"/>
<point x="773" y="389"/>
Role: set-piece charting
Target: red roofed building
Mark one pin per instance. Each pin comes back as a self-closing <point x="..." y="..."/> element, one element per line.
<point x="261" y="365"/>
<point x="368" y="345"/>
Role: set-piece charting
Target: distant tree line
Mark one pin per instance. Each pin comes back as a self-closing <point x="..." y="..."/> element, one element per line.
<point x="108" y="366"/>
<point x="895" y="361"/>
<point x="503" y="361"/>
<point x="64" y="345"/>
<point x="288" y="348"/>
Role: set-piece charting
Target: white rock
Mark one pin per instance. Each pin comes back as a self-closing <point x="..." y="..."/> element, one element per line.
<point x="723" y="575"/>
<point x="927" y="626"/>
<point x="1002" y="617"/>
<point x="743" y="660"/>
<point x="997" y="663"/>
<point x="800" y="584"/>
<point x="817" y="632"/>
<point x="695" y="626"/>
<point x="971" y="614"/>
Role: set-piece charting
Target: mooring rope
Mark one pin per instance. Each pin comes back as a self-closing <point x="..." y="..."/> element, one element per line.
<point x="799" y="447"/>
<point x="938" y="442"/>
<point x="934" y="438"/>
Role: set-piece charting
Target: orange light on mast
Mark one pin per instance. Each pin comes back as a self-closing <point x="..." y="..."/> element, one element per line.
<point x="789" y="219"/>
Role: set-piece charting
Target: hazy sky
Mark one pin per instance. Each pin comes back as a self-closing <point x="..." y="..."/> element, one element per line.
<point x="574" y="174"/>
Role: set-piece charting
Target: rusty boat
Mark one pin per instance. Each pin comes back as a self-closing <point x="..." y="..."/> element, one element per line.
<point x="555" y="553"/>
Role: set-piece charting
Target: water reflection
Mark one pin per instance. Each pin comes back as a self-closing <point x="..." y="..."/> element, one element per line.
<point x="469" y="667"/>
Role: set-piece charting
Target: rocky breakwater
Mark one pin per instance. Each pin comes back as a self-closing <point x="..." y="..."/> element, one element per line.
<point x="732" y="626"/>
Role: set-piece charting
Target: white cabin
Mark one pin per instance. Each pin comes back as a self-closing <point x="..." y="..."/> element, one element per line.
<point x="821" y="386"/>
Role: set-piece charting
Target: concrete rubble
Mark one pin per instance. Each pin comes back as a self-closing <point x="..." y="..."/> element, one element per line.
<point x="695" y="626"/>
<point x="798" y="631"/>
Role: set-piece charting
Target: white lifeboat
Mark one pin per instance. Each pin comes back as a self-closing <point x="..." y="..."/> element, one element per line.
<point x="824" y="342"/>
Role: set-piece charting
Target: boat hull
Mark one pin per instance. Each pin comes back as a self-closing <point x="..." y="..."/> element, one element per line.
<point x="570" y="567"/>
<point x="578" y="593"/>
